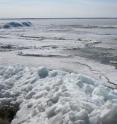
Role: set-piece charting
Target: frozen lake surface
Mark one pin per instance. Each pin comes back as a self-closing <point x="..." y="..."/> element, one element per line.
<point x="80" y="54"/>
<point x="79" y="45"/>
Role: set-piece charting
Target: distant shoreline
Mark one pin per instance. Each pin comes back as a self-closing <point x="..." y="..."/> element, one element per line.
<point x="62" y="18"/>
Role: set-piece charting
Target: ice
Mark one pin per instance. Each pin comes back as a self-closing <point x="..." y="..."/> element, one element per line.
<point x="16" y="24"/>
<point x="51" y="111"/>
<point x="108" y="115"/>
<point x="49" y="96"/>
<point x="58" y="119"/>
<point x="54" y="96"/>
<point x="101" y="91"/>
<point x="86" y="79"/>
<point x="28" y="24"/>
<point x="43" y="72"/>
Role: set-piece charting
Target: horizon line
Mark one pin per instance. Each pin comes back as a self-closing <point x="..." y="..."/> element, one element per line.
<point x="5" y="18"/>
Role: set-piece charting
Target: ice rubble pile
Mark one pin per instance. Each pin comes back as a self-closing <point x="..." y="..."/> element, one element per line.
<point x="16" y="24"/>
<point x="56" y="97"/>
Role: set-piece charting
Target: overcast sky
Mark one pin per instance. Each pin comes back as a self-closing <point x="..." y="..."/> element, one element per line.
<point x="58" y="8"/>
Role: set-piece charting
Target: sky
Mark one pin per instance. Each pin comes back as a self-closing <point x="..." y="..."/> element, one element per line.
<point x="57" y="8"/>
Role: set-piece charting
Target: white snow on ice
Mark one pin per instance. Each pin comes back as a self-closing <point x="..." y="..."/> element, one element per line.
<point x="57" y="97"/>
